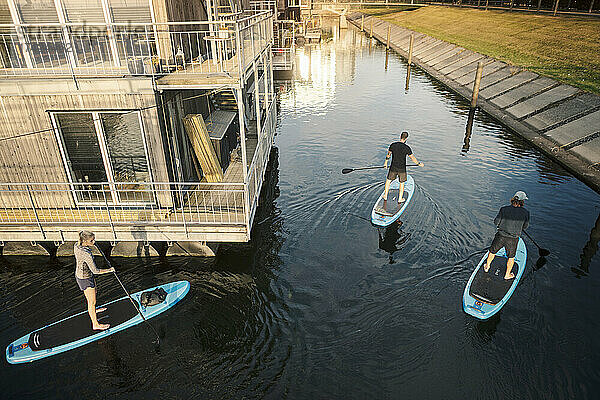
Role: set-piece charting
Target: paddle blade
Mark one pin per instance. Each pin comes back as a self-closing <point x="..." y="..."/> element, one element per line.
<point x="544" y="252"/>
<point x="347" y="170"/>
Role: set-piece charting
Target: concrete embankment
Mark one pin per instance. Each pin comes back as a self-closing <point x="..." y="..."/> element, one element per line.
<point x="562" y="121"/>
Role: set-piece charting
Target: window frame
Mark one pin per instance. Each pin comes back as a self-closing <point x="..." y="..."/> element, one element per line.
<point x="114" y="199"/>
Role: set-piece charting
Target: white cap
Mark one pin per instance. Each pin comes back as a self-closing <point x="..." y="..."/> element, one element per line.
<point x="520" y="195"/>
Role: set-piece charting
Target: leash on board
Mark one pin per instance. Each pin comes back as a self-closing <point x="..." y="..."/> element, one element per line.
<point x="157" y="341"/>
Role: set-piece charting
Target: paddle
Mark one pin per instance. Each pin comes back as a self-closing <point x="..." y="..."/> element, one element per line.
<point x="157" y="341"/>
<point x="348" y="170"/>
<point x="542" y="252"/>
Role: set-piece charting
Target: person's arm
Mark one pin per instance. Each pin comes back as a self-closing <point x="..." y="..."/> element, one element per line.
<point x="526" y="223"/>
<point x="412" y="157"/>
<point x="88" y="258"/>
<point x="389" y="154"/>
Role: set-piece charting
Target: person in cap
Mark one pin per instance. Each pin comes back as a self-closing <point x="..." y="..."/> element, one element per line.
<point x="398" y="151"/>
<point x="511" y="221"/>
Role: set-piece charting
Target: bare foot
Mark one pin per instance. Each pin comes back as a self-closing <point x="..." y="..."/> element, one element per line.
<point x="400" y="201"/>
<point x="486" y="267"/>
<point x="101" y="309"/>
<point x="509" y="277"/>
<point x="101" y="327"/>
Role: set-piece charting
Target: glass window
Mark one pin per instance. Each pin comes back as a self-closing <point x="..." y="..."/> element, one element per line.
<point x="107" y="149"/>
<point x="125" y="147"/>
<point x="82" y="149"/>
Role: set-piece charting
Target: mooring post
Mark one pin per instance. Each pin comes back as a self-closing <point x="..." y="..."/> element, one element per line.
<point x="486" y="4"/>
<point x="371" y="27"/>
<point x="410" y="48"/>
<point x="387" y="46"/>
<point x="555" y="8"/>
<point x="362" y="23"/>
<point x="476" y="84"/>
<point x="591" y="6"/>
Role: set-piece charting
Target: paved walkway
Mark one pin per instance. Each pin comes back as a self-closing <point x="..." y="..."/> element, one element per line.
<point x="562" y="121"/>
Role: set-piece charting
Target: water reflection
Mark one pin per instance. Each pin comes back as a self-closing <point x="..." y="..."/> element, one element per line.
<point x="589" y="251"/>
<point x="392" y="239"/>
<point x="468" y="131"/>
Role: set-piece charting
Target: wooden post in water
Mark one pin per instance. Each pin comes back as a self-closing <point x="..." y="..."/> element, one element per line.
<point x="410" y="51"/>
<point x="555" y="8"/>
<point x="387" y="46"/>
<point x="486" y="4"/>
<point x="511" y="4"/>
<point x="362" y="23"/>
<point x="539" y="5"/>
<point x="410" y="48"/>
<point x="591" y="6"/>
<point x="476" y="84"/>
<point x="371" y="28"/>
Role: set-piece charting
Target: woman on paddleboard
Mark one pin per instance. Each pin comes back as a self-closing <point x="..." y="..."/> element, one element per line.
<point x="85" y="269"/>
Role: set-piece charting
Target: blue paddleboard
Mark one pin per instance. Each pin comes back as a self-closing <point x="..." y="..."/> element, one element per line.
<point x="76" y="331"/>
<point x="487" y="292"/>
<point x="384" y="213"/>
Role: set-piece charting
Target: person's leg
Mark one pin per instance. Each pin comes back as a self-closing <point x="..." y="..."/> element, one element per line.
<point x="90" y="296"/>
<point x="486" y="266"/>
<point x="496" y="245"/>
<point x="401" y="192"/>
<point x="387" y="189"/>
<point x="511" y="252"/>
<point x="509" y="266"/>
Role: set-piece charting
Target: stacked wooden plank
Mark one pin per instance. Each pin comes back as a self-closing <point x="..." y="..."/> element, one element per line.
<point x="203" y="147"/>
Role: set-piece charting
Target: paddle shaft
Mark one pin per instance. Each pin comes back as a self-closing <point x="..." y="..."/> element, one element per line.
<point x="348" y="170"/>
<point x="537" y="245"/>
<point x="130" y="298"/>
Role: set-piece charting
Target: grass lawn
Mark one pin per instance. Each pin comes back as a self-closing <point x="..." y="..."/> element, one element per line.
<point x="564" y="48"/>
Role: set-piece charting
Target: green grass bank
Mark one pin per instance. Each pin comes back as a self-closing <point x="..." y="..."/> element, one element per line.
<point x="563" y="48"/>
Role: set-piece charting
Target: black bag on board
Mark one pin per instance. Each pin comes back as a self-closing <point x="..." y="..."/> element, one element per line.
<point x="153" y="297"/>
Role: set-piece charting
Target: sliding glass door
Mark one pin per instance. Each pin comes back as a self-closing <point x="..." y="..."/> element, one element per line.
<point x="105" y="156"/>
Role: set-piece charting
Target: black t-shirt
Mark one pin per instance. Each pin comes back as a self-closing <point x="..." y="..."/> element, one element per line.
<point x="399" y="152"/>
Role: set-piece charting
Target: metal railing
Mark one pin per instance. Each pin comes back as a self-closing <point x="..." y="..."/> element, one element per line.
<point x="284" y="44"/>
<point x="589" y="7"/>
<point x="257" y="5"/>
<point x="201" y="47"/>
<point x="139" y="204"/>
<point x="283" y="58"/>
<point x="261" y="157"/>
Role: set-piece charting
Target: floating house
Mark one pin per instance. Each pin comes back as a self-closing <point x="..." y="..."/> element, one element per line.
<point x="141" y="120"/>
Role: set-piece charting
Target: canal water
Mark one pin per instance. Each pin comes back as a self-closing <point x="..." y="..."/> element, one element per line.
<point x="318" y="306"/>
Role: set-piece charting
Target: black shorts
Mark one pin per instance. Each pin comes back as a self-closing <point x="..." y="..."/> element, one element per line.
<point x="397" y="173"/>
<point x="509" y="244"/>
<point x="86" y="283"/>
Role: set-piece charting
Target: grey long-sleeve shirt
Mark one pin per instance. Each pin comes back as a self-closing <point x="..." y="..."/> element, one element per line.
<point x="511" y="221"/>
<point x="85" y="266"/>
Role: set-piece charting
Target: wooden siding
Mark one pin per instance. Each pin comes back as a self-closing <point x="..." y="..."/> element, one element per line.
<point x="37" y="158"/>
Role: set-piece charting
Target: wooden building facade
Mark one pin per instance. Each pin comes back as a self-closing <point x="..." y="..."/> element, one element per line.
<point x="94" y="97"/>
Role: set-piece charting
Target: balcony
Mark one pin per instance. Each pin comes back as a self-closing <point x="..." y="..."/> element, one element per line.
<point x="141" y="211"/>
<point x="207" y="52"/>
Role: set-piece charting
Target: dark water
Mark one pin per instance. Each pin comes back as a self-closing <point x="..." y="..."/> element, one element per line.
<point x="313" y="307"/>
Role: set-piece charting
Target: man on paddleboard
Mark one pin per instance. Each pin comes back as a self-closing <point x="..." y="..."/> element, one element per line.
<point x="85" y="268"/>
<point x="511" y="221"/>
<point x="398" y="151"/>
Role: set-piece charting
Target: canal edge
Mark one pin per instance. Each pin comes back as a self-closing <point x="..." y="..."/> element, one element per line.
<point x="552" y="124"/>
